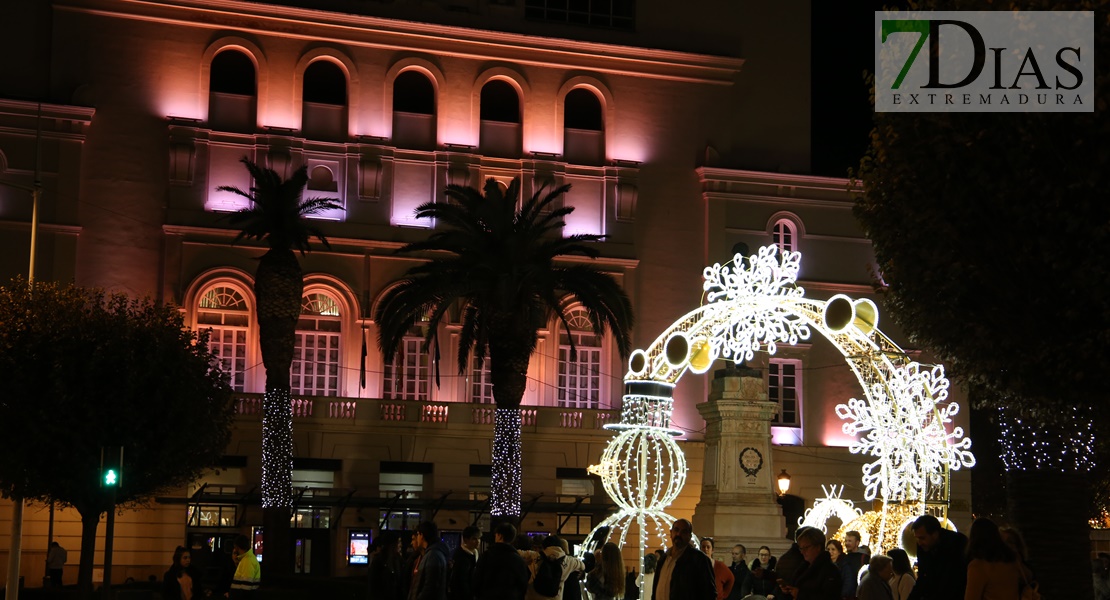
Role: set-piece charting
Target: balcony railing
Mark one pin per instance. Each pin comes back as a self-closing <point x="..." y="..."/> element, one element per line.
<point x="371" y="410"/>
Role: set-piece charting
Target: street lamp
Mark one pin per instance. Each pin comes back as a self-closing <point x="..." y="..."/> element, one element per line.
<point x="36" y="192"/>
<point x="15" y="548"/>
<point x="784" y="482"/>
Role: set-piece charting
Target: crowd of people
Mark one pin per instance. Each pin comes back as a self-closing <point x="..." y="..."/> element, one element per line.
<point x="202" y="572"/>
<point x="990" y="563"/>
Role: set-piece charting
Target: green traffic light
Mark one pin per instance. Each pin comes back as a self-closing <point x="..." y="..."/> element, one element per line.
<point x="110" y="477"/>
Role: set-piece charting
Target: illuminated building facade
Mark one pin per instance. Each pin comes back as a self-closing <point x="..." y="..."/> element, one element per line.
<point x="682" y="133"/>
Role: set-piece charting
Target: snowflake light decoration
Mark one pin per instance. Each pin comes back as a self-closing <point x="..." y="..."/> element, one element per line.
<point x="751" y="292"/>
<point x="903" y="425"/>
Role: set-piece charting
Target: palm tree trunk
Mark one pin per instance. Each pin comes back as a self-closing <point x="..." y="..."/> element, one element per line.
<point x="509" y="354"/>
<point x="505" y="483"/>
<point x="279" y="286"/>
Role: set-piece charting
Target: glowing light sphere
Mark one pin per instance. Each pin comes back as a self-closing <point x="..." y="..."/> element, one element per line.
<point x="643" y="469"/>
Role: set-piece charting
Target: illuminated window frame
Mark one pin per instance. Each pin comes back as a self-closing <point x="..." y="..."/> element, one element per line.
<point x="224" y="312"/>
<point x="317" y="352"/>
<point x="784" y="378"/>
<point x="579" y="383"/>
<point x="784" y="234"/>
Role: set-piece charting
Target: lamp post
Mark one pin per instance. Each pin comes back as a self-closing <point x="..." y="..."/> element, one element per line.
<point x="16" y="547"/>
<point x="36" y="192"/>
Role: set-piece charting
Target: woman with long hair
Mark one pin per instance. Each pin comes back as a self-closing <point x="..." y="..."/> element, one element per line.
<point x="606" y="580"/>
<point x="836" y="552"/>
<point x="993" y="572"/>
<point x="1016" y="542"/>
<point x="182" y="581"/>
<point x="902" y="582"/>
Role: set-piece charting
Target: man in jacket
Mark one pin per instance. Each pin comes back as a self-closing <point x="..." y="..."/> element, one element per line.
<point x="429" y="579"/>
<point x="739" y="570"/>
<point x="819" y="579"/>
<point x="459" y="586"/>
<point x="686" y="573"/>
<point x="941" y="568"/>
<point x="501" y="573"/>
<point x="248" y="574"/>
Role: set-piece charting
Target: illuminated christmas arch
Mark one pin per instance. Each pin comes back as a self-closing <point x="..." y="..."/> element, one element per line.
<point x="753" y="304"/>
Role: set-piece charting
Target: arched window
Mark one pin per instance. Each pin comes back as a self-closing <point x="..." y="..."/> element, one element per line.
<point x="321" y="179"/>
<point x="414" y="111"/>
<point x="324" y="110"/>
<point x="785" y="235"/>
<point x="232" y="92"/>
<point x="579" y="384"/>
<point x="224" y="313"/>
<point x="583" y="128"/>
<point x="315" y="369"/>
<point x="408" y="376"/>
<point x="501" y="133"/>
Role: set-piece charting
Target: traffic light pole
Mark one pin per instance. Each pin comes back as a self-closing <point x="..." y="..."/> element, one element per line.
<point x="108" y="539"/>
<point x="112" y="479"/>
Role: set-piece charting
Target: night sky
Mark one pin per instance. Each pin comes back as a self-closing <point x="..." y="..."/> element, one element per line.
<point x="843" y="47"/>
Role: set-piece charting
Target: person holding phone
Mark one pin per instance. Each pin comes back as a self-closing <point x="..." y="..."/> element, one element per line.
<point x="820" y="578"/>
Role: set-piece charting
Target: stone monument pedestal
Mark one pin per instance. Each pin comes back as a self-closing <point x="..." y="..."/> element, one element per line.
<point x="738" y="499"/>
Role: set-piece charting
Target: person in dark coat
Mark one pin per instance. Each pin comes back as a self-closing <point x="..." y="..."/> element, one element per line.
<point x="941" y="565"/>
<point x="460" y="583"/>
<point x="874" y="585"/>
<point x="760" y="581"/>
<point x="429" y="580"/>
<point x="740" y="571"/>
<point x="182" y="581"/>
<point x="501" y="573"/>
<point x="686" y="572"/>
<point x="820" y="578"/>
<point x="384" y="568"/>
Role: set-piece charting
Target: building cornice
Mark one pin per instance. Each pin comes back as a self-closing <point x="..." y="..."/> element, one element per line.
<point x="443" y="40"/>
<point x="777" y="188"/>
<point x="210" y="235"/>
<point x="43" y="227"/>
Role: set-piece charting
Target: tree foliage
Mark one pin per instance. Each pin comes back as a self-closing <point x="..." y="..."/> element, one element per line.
<point x="84" y="370"/>
<point x="991" y="232"/>
<point x="498" y="266"/>
<point x="278" y="215"/>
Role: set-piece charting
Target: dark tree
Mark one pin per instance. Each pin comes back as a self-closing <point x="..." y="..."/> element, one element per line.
<point x="499" y="266"/>
<point x="991" y="232"/>
<point x="277" y="215"/>
<point x="83" y="371"/>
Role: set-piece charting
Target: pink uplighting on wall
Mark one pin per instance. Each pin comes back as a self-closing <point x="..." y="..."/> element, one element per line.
<point x="834" y="436"/>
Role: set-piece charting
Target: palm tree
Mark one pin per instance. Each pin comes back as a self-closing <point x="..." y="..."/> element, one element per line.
<point x="501" y="272"/>
<point x="277" y="215"/>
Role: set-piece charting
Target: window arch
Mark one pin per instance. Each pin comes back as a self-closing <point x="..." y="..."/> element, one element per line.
<point x="784" y="234"/>
<point x="232" y="91"/>
<point x="583" y="127"/>
<point x="316" y="349"/>
<point x="579" y="377"/>
<point x="223" y="311"/>
<point x="324" y="101"/>
<point x="414" y="110"/>
<point x="501" y="133"/>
